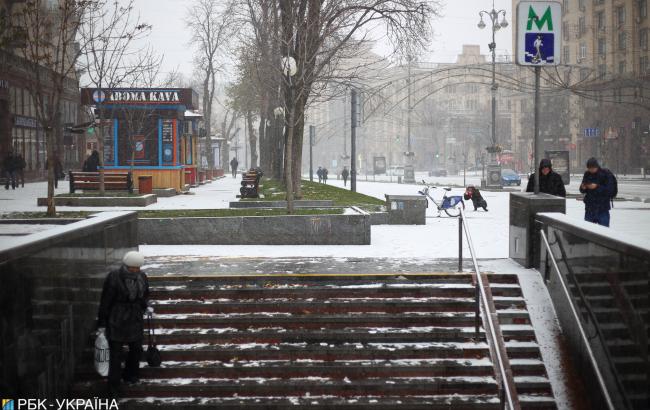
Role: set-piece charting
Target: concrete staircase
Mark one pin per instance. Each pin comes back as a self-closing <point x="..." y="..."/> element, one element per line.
<point x="605" y="293"/>
<point x="330" y="342"/>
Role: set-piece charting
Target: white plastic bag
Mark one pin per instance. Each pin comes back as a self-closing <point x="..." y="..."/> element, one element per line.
<point x="102" y="353"/>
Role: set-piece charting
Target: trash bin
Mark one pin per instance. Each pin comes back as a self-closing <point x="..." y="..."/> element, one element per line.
<point x="406" y="209"/>
<point x="145" y="184"/>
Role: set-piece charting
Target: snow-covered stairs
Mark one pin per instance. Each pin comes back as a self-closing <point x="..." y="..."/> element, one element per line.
<point x="331" y="342"/>
<point x="600" y="290"/>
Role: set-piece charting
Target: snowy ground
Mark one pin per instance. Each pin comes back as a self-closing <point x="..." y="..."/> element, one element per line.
<point x="438" y="239"/>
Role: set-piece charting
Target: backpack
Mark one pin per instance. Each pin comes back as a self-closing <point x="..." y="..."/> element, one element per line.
<point x="615" y="188"/>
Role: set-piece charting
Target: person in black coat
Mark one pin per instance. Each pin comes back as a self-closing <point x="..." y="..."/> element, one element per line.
<point x="598" y="187"/>
<point x="319" y="172"/>
<point x="474" y="194"/>
<point x="91" y="164"/>
<point x="550" y="182"/>
<point x="345" y="174"/>
<point x="124" y="300"/>
<point x="325" y="172"/>
<point x="9" y="170"/>
<point x="234" y="164"/>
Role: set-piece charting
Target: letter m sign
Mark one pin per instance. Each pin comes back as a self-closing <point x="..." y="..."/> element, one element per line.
<point x="533" y="18"/>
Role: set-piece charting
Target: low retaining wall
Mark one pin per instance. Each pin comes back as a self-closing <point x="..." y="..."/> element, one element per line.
<point x="282" y="204"/>
<point x="143" y="200"/>
<point x="164" y="192"/>
<point x="51" y="282"/>
<point x="351" y="229"/>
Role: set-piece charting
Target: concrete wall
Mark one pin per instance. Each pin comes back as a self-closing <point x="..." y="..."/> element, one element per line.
<point x="353" y="229"/>
<point x="51" y="282"/>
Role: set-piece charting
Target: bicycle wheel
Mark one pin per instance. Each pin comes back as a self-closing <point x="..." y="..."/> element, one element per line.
<point x="455" y="210"/>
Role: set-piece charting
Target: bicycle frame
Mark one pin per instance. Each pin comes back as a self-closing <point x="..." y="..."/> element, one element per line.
<point x="443" y="205"/>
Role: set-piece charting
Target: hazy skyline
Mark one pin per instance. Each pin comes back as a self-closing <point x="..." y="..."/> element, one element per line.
<point x="456" y="26"/>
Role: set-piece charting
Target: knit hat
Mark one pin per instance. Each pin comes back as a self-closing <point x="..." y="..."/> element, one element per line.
<point x="545" y="163"/>
<point x="592" y="163"/>
<point x="133" y="259"/>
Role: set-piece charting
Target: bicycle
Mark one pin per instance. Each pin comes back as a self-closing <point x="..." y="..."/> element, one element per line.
<point x="450" y="204"/>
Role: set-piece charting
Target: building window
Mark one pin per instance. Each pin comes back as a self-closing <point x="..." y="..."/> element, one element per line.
<point x="565" y="31"/>
<point x="602" y="71"/>
<point x="565" y="6"/>
<point x="643" y="8"/>
<point x="584" y="74"/>
<point x="583" y="51"/>
<point x="567" y="55"/>
<point x="581" y="5"/>
<point x="643" y="39"/>
<point x="620" y="15"/>
<point x="622" y="40"/>
<point x="582" y="26"/>
<point x="602" y="46"/>
<point x="600" y="20"/>
<point x="621" y="67"/>
<point x="643" y="65"/>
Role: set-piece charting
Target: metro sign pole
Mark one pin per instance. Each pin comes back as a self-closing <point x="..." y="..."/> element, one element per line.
<point x="539" y="43"/>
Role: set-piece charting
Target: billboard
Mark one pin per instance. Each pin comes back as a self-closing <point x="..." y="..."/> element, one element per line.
<point x="379" y="165"/>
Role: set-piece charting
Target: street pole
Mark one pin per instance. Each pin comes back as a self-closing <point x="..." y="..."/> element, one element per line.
<point x="312" y="135"/>
<point x="353" y="142"/>
<point x="537" y="142"/>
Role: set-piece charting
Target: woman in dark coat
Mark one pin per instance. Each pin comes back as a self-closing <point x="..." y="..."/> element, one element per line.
<point x="91" y="164"/>
<point x="123" y="303"/>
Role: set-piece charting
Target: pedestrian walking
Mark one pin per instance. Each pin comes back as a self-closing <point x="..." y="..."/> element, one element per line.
<point x="345" y="174"/>
<point x="325" y="172"/>
<point x="20" y="170"/>
<point x="9" y="170"/>
<point x="233" y="166"/>
<point x="599" y="187"/>
<point x="550" y="182"/>
<point x="123" y="304"/>
<point x="319" y="172"/>
<point x="58" y="169"/>
<point x="91" y="164"/>
<point x="474" y="194"/>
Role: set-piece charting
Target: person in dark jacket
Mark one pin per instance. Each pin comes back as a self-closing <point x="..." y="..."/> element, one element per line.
<point x="91" y="164"/>
<point x="58" y="169"/>
<point x="325" y="172"/>
<point x="20" y="170"/>
<point x="474" y="194"/>
<point x="9" y="170"/>
<point x="319" y="172"/>
<point x="598" y="187"/>
<point x="123" y="304"/>
<point x="345" y="174"/>
<point x="550" y="182"/>
<point x="233" y="167"/>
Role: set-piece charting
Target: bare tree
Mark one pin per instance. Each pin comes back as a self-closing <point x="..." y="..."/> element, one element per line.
<point x="210" y="25"/>
<point x="112" y="56"/>
<point x="51" y="52"/>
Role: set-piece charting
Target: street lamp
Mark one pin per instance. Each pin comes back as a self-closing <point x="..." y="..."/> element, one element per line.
<point x="493" y="16"/>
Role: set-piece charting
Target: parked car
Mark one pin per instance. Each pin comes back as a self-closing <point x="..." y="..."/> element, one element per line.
<point x="440" y="172"/>
<point x="396" y="171"/>
<point x="510" y="177"/>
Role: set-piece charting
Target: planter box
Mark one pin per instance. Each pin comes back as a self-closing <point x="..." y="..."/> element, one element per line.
<point x="350" y="229"/>
<point x="142" y="200"/>
<point x="282" y="204"/>
<point x="165" y="192"/>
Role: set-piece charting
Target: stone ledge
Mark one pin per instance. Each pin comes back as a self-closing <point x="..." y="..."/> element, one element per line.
<point x="350" y="229"/>
<point x="101" y="201"/>
<point x="165" y="192"/>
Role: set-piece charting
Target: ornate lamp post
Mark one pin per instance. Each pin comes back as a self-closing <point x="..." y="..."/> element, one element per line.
<point x="493" y="17"/>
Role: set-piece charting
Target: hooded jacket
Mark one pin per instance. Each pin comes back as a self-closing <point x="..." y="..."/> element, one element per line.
<point x="124" y="300"/>
<point x="599" y="199"/>
<point x="551" y="184"/>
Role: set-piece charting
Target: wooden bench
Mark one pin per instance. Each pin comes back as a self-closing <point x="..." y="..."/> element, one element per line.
<point x="89" y="181"/>
<point x="250" y="183"/>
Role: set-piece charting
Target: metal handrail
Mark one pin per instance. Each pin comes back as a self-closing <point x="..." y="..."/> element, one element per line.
<point x="581" y="330"/>
<point x="490" y="331"/>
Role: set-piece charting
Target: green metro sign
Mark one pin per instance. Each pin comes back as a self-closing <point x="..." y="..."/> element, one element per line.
<point x="547" y="18"/>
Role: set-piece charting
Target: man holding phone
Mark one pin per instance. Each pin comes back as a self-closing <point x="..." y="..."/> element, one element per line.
<point x="598" y="186"/>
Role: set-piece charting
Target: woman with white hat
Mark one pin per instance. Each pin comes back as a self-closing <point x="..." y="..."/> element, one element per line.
<point x="123" y="303"/>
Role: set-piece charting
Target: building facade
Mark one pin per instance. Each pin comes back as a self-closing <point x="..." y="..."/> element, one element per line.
<point x="20" y="130"/>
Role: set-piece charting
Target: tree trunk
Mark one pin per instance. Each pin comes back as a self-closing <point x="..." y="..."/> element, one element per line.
<point x="288" y="172"/>
<point x="50" y="144"/>
<point x="252" y="139"/>
<point x="296" y="156"/>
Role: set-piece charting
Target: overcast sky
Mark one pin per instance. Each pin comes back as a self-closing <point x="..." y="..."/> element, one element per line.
<point x="456" y="27"/>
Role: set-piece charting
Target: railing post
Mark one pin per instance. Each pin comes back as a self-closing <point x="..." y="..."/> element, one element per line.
<point x="477" y="313"/>
<point x="460" y="243"/>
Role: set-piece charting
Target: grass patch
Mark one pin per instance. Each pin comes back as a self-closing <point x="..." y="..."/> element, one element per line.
<point x="274" y="190"/>
<point x="216" y="213"/>
<point x="40" y="215"/>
